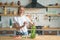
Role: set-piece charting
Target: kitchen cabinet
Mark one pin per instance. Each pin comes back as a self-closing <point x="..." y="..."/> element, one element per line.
<point x="48" y="31"/>
<point x="7" y="31"/>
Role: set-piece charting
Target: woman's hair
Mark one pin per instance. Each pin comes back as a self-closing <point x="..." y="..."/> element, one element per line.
<point x="21" y="7"/>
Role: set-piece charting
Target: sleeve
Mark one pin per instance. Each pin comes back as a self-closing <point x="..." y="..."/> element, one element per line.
<point x="28" y="19"/>
<point x="14" y="19"/>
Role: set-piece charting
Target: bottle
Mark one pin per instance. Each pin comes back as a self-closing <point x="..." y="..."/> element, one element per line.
<point x="18" y="2"/>
<point x="33" y="32"/>
<point x="5" y="10"/>
<point x="15" y="12"/>
<point x="10" y="23"/>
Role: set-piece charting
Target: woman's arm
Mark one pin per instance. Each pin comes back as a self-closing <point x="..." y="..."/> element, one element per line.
<point x="17" y="26"/>
<point x="30" y="20"/>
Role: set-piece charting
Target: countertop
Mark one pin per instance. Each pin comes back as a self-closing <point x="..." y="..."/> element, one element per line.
<point x="40" y="37"/>
<point x="30" y="29"/>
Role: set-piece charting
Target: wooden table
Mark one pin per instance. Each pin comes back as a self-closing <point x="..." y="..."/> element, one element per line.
<point x="43" y="37"/>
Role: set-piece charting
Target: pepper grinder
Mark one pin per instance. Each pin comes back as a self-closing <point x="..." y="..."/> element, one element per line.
<point x="19" y="5"/>
<point x="18" y="2"/>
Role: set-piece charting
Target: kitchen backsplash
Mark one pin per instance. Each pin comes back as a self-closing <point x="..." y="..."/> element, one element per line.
<point x="37" y="16"/>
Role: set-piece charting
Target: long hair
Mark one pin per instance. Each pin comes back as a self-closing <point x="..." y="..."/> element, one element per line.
<point x="20" y="8"/>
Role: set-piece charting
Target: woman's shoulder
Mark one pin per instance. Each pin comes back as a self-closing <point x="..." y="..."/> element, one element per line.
<point x="29" y="16"/>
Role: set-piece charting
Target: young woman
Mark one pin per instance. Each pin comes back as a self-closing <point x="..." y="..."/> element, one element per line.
<point x="21" y="22"/>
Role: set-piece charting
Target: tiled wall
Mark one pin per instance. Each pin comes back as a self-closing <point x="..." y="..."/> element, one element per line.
<point x="5" y="20"/>
<point x="36" y="12"/>
<point x="55" y="21"/>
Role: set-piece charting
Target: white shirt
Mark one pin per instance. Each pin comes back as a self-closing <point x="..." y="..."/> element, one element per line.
<point x="21" y="20"/>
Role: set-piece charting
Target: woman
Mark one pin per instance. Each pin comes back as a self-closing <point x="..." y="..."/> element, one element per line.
<point x="21" y="22"/>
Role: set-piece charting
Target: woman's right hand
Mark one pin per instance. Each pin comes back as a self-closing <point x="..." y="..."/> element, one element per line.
<point x="16" y="25"/>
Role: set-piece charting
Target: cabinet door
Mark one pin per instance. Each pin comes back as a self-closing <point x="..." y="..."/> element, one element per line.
<point x="50" y="32"/>
<point x="2" y="32"/>
<point x="9" y="32"/>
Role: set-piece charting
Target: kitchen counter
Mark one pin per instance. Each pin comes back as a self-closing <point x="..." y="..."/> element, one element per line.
<point x="7" y="29"/>
<point x="43" y="37"/>
<point x="49" y="31"/>
<point x="45" y="31"/>
<point x="30" y="29"/>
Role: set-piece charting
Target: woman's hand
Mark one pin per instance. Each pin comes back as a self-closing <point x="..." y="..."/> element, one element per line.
<point x="20" y="27"/>
<point x="25" y="23"/>
<point x="17" y="26"/>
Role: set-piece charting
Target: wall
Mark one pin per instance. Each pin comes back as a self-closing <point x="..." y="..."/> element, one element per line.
<point x="55" y="21"/>
<point x="46" y="2"/>
<point x="42" y="12"/>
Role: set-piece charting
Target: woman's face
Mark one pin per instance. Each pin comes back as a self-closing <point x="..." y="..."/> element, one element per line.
<point x="21" y="11"/>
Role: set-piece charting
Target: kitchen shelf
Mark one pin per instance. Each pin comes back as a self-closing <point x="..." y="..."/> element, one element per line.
<point x="19" y="5"/>
<point x="9" y="5"/>
<point x="53" y="6"/>
<point x="5" y="8"/>
<point x="55" y="15"/>
<point x="8" y="15"/>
